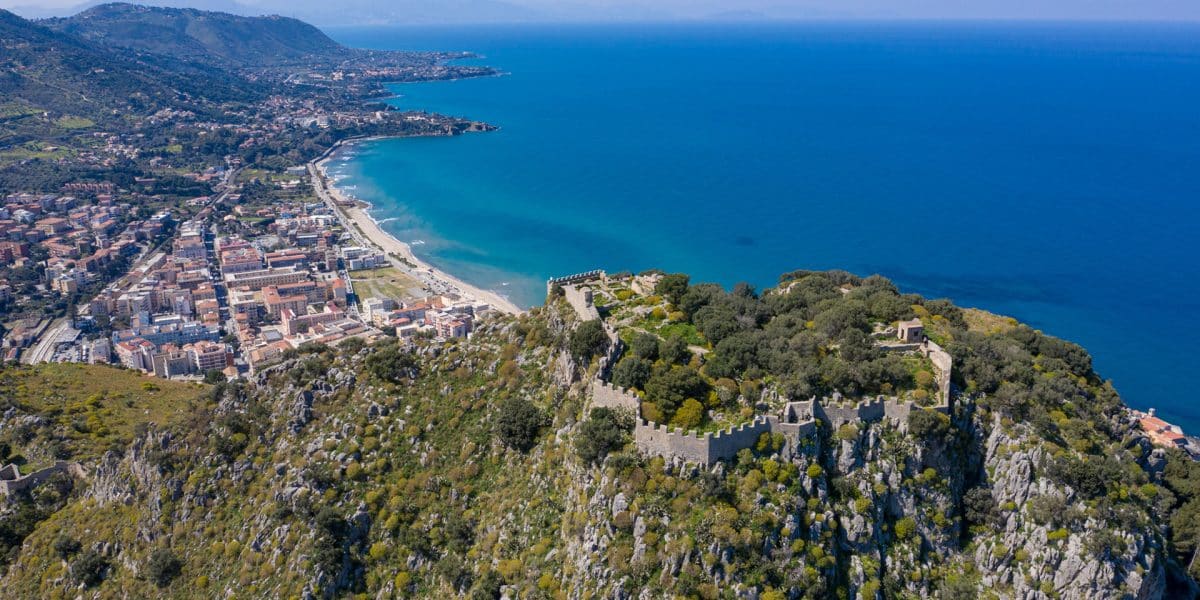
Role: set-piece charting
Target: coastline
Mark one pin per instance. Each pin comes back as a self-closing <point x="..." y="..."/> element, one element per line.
<point x="356" y="218"/>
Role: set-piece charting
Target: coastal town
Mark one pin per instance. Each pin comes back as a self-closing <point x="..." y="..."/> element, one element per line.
<point x="225" y="288"/>
<point x="190" y="231"/>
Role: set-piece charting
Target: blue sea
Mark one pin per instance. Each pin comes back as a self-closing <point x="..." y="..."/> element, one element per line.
<point x="1050" y="172"/>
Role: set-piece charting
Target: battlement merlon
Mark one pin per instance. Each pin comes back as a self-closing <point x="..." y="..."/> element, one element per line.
<point x="593" y="275"/>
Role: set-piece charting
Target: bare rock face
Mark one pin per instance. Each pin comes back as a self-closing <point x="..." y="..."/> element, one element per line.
<point x="1035" y="557"/>
<point x="301" y="411"/>
<point x="563" y="371"/>
<point x="109" y="483"/>
<point x="122" y="478"/>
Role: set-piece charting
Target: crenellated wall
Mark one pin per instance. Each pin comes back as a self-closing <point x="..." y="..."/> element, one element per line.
<point x="706" y="448"/>
<point x="866" y="411"/>
<point x="653" y="439"/>
<point x="796" y="420"/>
<point x="594" y="275"/>
<point x="725" y="444"/>
<point x="606" y="395"/>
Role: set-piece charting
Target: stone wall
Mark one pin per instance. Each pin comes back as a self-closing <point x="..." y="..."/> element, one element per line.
<point x="606" y="395"/>
<point x="866" y="411"/>
<point x="792" y="431"/>
<point x="595" y="275"/>
<point x="725" y="444"/>
<point x="653" y="439"/>
<point x="580" y="299"/>
<point x="11" y="480"/>
<point x="943" y="365"/>
<point x="796" y="420"/>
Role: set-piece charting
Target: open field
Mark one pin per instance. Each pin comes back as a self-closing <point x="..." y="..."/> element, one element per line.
<point x="33" y="150"/>
<point x="75" y="123"/>
<point x="387" y="282"/>
<point x="986" y="322"/>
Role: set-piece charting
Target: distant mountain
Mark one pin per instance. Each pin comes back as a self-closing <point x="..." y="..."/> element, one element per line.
<point x="201" y="36"/>
<point x="52" y="71"/>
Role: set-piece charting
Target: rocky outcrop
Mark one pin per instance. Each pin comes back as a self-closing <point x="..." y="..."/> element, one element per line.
<point x="1065" y="553"/>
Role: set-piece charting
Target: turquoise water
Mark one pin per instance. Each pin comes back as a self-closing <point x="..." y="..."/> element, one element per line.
<point x="1048" y="172"/>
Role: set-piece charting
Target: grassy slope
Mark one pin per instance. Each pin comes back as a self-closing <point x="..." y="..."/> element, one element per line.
<point x="90" y="408"/>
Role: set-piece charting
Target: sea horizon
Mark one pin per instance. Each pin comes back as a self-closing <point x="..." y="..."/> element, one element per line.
<point x="502" y="212"/>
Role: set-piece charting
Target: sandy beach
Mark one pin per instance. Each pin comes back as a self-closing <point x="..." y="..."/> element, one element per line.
<point x="353" y="213"/>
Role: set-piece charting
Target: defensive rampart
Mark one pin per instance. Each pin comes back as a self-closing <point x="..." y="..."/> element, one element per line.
<point x="580" y="299"/>
<point x="795" y="421"/>
<point x="705" y="448"/>
<point x="943" y="365"/>
<point x="837" y="413"/>
<point x="606" y="395"/>
<point x="11" y="480"/>
<point x="597" y="274"/>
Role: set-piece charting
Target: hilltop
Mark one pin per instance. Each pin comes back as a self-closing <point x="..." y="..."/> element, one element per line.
<point x="42" y="70"/>
<point x="215" y="38"/>
<point x="483" y="466"/>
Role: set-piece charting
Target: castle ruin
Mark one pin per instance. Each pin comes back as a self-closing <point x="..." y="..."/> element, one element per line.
<point x="797" y="419"/>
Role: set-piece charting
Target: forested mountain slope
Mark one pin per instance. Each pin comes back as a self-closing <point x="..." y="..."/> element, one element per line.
<point x="42" y="70"/>
<point x="202" y="36"/>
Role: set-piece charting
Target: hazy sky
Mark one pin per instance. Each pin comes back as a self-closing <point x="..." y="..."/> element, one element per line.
<point x="338" y="12"/>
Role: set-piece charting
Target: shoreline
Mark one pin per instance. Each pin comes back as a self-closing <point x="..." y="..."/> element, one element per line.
<point x="356" y="218"/>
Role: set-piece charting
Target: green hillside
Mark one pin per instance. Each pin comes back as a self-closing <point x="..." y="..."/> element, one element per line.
<point x="202" y="36"/>
<point x="478" y="468"/>
<point x="47" y="75"/>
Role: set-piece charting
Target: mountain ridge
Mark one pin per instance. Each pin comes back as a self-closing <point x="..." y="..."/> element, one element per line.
<point x="62" y="73"/>
<point x="198" y="35"/>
